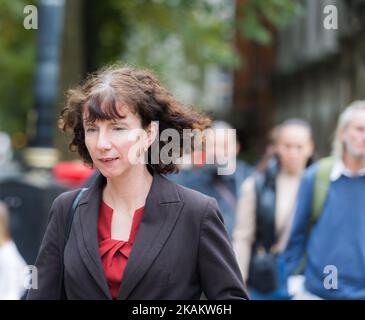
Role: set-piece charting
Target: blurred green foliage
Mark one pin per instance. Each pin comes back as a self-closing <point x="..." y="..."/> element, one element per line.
<point x="17" y="56"/>
<point x="259" y="14"/>
<point x="160" y="34"/>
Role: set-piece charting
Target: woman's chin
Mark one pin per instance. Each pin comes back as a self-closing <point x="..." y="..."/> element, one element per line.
<point x="110" y="174"/>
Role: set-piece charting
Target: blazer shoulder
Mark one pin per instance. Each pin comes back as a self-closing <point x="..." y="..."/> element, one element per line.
<point x="191" y="194"/>
<point x="66" y="198"/>
<point x="62" y="204"/>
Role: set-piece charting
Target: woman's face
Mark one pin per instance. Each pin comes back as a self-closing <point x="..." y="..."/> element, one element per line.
<point x="115" y="146"/>
<point x="294" y="148"/>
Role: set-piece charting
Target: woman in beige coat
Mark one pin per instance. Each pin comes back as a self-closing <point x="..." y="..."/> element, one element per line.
<point x="276" y="198"/>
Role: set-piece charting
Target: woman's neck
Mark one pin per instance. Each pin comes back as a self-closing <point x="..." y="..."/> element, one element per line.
<point x="297" y="173"/>
<point x="128" y="192"/>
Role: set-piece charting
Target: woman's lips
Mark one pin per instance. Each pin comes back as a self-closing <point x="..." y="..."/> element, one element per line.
<point x="108" y="159"/>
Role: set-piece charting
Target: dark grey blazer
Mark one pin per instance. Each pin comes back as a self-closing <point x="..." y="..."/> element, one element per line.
<point x="181" y="249"/>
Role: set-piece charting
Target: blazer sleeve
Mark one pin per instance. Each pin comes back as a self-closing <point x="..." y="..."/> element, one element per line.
<point x="48" y="272"/>
<point x="219" y="272"/>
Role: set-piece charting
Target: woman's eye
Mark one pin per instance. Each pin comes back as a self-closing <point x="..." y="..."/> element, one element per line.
<point x="90" y="130"/>
<point x="119" y="128"/>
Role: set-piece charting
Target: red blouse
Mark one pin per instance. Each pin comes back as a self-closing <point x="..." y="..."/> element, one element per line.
<point x="115" y="253"/>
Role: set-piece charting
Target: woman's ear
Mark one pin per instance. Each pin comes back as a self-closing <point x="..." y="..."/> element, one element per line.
<point x="152" y="131"/>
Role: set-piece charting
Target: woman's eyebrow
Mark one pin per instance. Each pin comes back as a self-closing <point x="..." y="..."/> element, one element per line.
<point x="112" y="122"/>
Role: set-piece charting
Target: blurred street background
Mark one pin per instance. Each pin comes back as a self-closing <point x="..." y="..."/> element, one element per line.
<point x="252" y="63"/>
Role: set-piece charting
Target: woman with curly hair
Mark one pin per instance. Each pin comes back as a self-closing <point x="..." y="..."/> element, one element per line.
<point x="134" y="233"/>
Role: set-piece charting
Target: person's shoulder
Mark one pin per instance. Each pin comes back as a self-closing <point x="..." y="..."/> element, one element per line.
<point x="64" y="201"/>
<point x="67" y="196"/>
<point x="62" y="205"/>
<point x="191" y="194"/>
<point x="248" y="185"/>
<point x="197" y="206"/>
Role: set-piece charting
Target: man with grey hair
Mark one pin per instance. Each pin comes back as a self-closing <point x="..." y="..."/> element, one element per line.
<point x="330" y="205"/>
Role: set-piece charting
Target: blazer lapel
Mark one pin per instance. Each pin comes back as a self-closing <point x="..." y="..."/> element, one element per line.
<point x="161" y="211"/>
<point x="86" y="221"/>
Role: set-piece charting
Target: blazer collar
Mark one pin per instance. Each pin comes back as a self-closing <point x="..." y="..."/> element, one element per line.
<point x="162" y="208"/>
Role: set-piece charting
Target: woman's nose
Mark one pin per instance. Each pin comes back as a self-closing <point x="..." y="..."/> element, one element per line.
<point x="103" y="141"/>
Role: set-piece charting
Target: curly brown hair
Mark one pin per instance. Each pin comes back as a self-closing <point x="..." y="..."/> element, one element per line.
<point x="141" y="92"/>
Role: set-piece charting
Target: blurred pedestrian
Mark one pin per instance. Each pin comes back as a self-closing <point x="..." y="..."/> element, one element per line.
<point x="222" y="147"/>
<point x="12" y="264"/>
<point x="265" y="210"/>
<point x="329" y="222"/>
<point x="135" y="234"/>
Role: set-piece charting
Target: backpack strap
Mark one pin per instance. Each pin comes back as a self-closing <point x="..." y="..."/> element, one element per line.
<point x="70" y="216"/>
<point x="321" y="186"/>
<point x="320" y="191"/>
